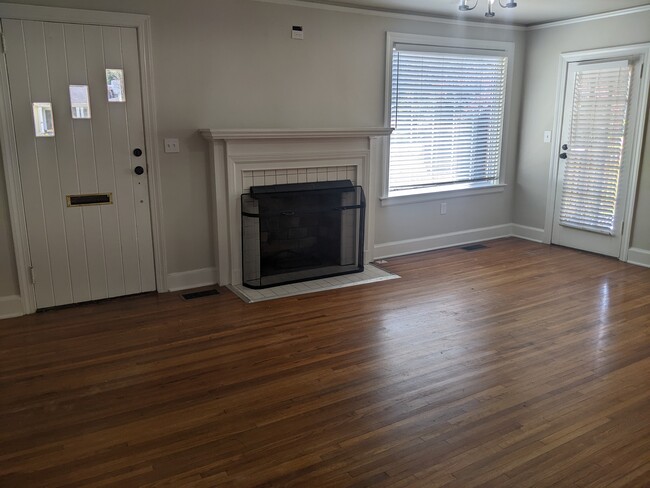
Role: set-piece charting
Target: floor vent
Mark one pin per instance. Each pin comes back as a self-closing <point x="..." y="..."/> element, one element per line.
<point x="474" y="247"/>
<point x="200" y="294"/>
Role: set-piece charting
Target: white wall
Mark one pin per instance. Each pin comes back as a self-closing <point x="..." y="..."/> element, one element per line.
<point x="8" y="277"/>
<point x="543" y="51"/>
<point x="641" y="227"/>
<point x="232" y="64"/>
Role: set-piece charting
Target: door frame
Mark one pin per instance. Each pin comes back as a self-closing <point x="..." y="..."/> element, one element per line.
<point x="142" y="24"/>
<point x="643" y="52"/>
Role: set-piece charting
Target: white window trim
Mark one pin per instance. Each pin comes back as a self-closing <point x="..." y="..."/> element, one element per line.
<point x="508" y="49"/>
<point x="463" y="190"/>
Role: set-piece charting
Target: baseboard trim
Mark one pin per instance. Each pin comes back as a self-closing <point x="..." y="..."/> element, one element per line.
<point x="640" y="257"/>
<point x="11" y="306"/>
<point x="192" y="279"/>
<point x="431" y="243"/>
<point x="529" y="233"/>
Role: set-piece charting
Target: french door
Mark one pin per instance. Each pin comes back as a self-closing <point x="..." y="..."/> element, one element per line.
<point x="77" y="111"/>
<point x="595" y="157"/>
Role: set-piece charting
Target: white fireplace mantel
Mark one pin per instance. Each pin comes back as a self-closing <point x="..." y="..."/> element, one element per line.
<point x="240" y="134"/>
<point x="236" y="154"/>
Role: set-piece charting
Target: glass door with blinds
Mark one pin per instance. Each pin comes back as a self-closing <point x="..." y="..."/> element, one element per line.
<point x="594" y="157"/>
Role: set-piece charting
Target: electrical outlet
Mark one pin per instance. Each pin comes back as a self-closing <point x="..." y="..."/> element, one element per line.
<point x="172" y="146"/>
<point x="443" y="208"/>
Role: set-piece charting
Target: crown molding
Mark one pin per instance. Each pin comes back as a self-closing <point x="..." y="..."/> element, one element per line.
<point x="466" y="23"/>
<point x="394" y="15"/>
<point x="71" y="15"/>
<point x="589" y="18"/>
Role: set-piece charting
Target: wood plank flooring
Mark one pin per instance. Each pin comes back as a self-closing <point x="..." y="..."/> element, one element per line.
<point x="520" y="365"/>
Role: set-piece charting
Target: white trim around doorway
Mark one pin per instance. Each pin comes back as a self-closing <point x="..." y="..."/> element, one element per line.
<point x="142" y="24"/>
<point x="643" y="52"/>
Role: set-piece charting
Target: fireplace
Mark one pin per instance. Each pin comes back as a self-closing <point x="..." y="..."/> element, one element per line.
<point x="242" y="159"/>
<point x="300" y="232"/>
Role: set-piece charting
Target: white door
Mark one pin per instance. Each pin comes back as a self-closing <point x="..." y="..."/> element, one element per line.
<point x="77" y="111"/>
<point x="594" y="158"/>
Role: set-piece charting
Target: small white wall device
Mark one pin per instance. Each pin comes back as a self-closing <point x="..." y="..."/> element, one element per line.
<point x="297" y="33"/>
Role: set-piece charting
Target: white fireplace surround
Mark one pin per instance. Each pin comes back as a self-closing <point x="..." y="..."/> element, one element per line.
<point x="242" y="158"/>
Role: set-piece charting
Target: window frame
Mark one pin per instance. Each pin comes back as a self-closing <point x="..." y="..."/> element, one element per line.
<point x="446" y="44"/>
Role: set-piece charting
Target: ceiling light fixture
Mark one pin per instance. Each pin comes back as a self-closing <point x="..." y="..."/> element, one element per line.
<point x="463" y="7"/>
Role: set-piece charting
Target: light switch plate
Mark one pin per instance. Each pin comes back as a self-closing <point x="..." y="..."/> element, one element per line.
<point x="547" y="136"/>
<point x="172" y="146"/>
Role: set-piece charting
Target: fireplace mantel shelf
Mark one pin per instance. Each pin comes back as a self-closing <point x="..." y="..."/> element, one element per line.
<point x="243" y="134"/>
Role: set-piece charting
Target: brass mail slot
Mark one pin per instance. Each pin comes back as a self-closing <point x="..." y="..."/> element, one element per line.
<point x="90" y="199"/>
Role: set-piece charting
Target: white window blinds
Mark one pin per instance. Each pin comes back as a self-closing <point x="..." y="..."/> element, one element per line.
<point x="595" y="149"/>
<point x="447" y="111"/>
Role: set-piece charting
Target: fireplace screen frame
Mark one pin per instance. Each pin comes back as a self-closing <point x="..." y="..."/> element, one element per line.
<point x="269" y="211"/>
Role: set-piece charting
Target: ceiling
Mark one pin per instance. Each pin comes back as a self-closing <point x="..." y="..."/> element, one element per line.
<point x="528" y="12"/>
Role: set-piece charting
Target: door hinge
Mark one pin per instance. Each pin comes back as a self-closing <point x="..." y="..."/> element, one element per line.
<point x="641" y="75"/>
<point x="32" y="275"/>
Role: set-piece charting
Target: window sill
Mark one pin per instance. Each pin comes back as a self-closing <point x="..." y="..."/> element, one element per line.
<point x="441" y="194"/>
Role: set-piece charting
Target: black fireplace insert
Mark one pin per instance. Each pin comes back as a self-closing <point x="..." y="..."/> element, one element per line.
<point x="299" y="232"/>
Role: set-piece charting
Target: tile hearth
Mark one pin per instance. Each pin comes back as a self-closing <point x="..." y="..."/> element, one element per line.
<point x="371" y="274"/>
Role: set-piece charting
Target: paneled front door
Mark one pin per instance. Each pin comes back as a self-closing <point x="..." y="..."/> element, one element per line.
<point x="77" y="110"/>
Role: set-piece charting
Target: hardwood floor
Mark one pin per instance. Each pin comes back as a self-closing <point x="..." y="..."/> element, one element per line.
<point x="519" y="365"/>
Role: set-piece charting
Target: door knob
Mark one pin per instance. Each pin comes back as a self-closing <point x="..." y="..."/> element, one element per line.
<point x="139" y="170"/>
<point x="564" y="147"/>
<point x="563" y="156"/>
<point x="137" y="152"/>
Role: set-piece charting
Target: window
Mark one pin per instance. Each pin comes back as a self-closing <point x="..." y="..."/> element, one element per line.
<point x="80" y="101"/>
<point x="447" y="107"/>
<point x="43" y="119"/>
<point x="115" y="85"/>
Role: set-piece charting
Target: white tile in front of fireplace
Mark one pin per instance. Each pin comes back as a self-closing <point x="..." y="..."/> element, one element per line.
<point x="370" y="274"/>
